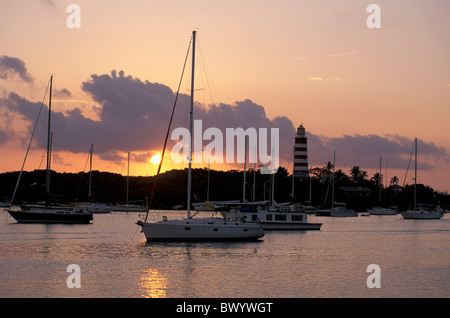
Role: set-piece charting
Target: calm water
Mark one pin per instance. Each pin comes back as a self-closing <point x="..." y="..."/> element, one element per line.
<point x="115" y="260"/>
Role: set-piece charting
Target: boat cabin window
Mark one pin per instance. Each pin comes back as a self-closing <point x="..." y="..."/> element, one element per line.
<point x="269" y="217"/>
<point x="280" y="217"/>
<point x="297" y="217"/>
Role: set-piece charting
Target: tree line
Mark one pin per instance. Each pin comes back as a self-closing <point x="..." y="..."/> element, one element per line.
<point x="356" y="188"/>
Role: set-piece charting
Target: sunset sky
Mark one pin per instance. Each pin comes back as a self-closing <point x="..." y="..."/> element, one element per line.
<point x="363" y="92"/>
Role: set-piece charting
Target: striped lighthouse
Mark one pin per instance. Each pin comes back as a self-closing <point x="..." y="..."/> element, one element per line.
<point x="301" y="153"/>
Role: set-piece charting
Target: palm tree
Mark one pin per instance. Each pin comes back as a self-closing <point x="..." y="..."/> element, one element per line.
<point x="394" y="180"/>
<point x="377" y="179"/>
<point x="340" y="176"/>
<point x="357" y="174"/>
<point x="324" y="171"/>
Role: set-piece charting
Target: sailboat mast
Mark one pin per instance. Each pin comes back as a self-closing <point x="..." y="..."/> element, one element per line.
<point x="380" y="183"/>
<point x="207" y="188"/>
<point x="254" y="180"/>
<point x="128" y="178"/>
<point x="415" y="174"/>
<point x="245" y="170"/>
<point x="293" y="173"/>
<point x="332" y="177"/>
<point x="191" y="124"/>
<point x="90" y="172"/>
<point x="310" y="184"/>
<point x="47" y="183"/>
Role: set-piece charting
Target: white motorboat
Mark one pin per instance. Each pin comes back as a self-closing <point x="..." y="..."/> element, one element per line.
<point x="273" y="216"/>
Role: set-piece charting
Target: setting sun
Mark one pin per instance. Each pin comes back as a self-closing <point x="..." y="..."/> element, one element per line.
<point x="156" y="159"/>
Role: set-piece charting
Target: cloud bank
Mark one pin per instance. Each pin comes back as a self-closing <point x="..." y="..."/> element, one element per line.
<point x="11" y="67"/>
<point x="133" y="116"/>
<point x="366" y="150"/>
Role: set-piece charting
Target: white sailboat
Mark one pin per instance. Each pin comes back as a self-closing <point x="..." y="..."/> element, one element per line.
<point x="337" y="209"/>
<point x="128" y="207"/>
<point x="379" y="210"/>
<point x="420" y="213"/>
<point x="93" y="207"/>
<point x="340" y="210"/>
<point x="198" y="229"/>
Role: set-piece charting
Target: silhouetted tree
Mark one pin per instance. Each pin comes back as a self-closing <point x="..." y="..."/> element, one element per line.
<point x="357" y="174"/>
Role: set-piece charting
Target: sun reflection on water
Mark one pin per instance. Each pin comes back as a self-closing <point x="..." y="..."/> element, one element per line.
<point x="153" y="284"/>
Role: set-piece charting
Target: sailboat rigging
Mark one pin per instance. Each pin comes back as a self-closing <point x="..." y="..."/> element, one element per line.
<point x="127" y="207"/>
<point x="338" y="209"/>
<point x="196" y="229"/>
<point x="420" y="213"/>
<point x="47" y="213"/>
<point x="92" y="206"/>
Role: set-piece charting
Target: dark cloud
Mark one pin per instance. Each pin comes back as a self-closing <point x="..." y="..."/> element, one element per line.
<point x="365" y="151"/>
<point x="63" y="93"/>
<point x="133" y="116"/>
<point x="10" y="66"/>
<point x="14" y="107"/>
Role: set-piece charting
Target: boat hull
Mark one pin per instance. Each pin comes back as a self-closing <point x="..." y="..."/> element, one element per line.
<point x="129" y="208"/>
<point x="382" y="211"/>
<point x="51" y="216"/>
<point x="422" y="215"/>
<point x="344" y="214"/>
<point x="192" y="230"/>
<point x="291" y="226"/>
<point x="336" y="213"/>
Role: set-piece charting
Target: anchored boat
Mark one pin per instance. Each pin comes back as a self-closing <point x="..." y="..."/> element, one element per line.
<point x="197" y="229"/>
